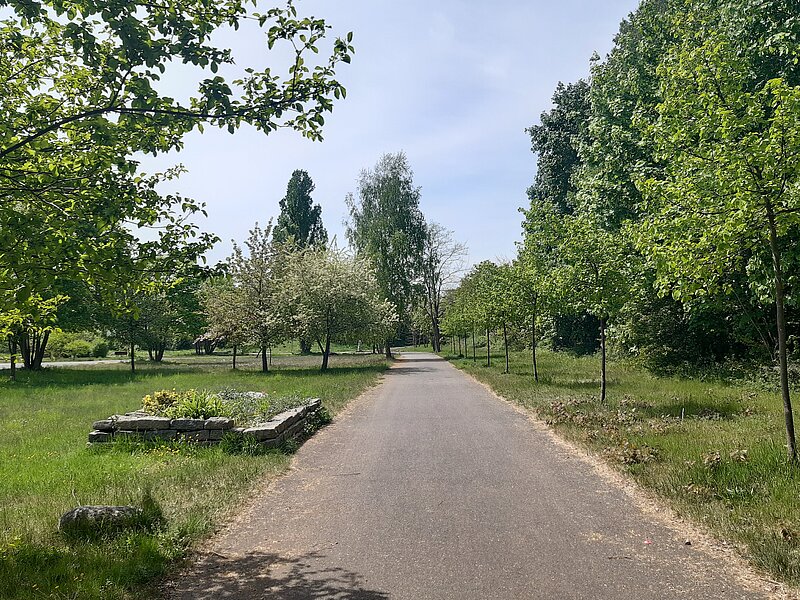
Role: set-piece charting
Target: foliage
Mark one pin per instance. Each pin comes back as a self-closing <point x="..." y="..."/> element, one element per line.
<point x="333" y="297"/>
<point x="300" y="220"/>
<point x="387" y="227"/>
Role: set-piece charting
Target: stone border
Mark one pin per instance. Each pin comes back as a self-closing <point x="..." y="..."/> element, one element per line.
<point x="271" y="434"/>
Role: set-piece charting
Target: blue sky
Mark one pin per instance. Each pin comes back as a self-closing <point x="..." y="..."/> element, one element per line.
<point x="451" y="83"/>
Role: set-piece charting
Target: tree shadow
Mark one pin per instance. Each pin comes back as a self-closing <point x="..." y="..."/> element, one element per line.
<point x="258" y="575"/>
<point x="689" y="408"/>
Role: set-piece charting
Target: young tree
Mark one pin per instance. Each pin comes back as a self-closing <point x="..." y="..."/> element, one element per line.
<point x="256" y="277"/>
<point x="332" y="297"/>
<point x="387" y="227"/>
<point x="443" y="261"/>
<point x="593" y="275"/>
<point x="729" y="131"/>
<point x="224" y="308"/>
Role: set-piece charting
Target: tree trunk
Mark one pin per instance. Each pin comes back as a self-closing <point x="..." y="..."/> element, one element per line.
<point x="160" y="352"/>
<point x="150" y="355"/>
<point x="234" y="357"/>
<point x="780" y="314"/>
<point x="505" y="343"/>
<point x="264" y="363"/>
<point x="602" y="360"/>
<point x="435" y="340"/>
<point x="12" y="348"/>
<point x="133" y="358"/>
<point x="488" y="355"/>
<point x="474" y="355"/>
<point x="388" y="350"/>
<point x="305" y="346"/>
<point x="459" y="346"/>
<point x="326" y="353"/>
<point x="533" y="345"/>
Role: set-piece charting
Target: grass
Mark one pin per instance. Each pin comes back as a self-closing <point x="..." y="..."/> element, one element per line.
<point x="46" y="468"/>
<point x="714" y="449"/>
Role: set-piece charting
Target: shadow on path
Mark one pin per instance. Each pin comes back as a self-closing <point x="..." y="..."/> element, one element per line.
<point x="260" y="575"/>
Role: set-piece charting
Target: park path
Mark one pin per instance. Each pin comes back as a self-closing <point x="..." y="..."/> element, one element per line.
<point x="430" y="487"/>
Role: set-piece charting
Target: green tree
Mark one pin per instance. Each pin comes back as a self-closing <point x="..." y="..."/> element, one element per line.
<point x="80" y="97"/>
<point x="332" y="297"/>
<point x="442" y="261"/>
<point x="728" y="126"/>
<point x="387" y="227"/>
<point x="224" y="307"/>
<point x="256" y="276"/>
<point x="300" y="219"/>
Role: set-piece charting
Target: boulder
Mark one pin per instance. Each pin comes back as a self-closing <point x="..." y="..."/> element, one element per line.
<point x="97" y="520"/>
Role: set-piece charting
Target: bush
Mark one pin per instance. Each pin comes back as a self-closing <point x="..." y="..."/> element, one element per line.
<point x="78" y="349"/>
<point x="100" y="349"/>
<point x="158" y="402"/>
<point x="194" y="404"/>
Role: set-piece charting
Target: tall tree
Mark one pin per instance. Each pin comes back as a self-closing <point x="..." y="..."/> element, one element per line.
<point x="387" y="226"/>
<point x="442" y="262"/>
<point x="300" y="219"/>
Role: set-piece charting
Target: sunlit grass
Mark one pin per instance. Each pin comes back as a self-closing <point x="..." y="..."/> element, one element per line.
<point x="714" y="449"/>
<point x="46" y="468"/>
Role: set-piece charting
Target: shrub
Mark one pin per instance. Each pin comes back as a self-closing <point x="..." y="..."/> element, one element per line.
<point x="100" y="349"/>
<point x="194" y="404"/>
<point x="78" y="348"/>
<point x="158" y="402"/>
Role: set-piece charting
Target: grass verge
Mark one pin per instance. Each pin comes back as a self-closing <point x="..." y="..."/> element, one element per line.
<point x="713" y="449"/>
<point x="46" y="469"/>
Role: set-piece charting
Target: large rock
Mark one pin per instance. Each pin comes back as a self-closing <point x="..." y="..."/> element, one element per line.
<point x="97" y="520"/>
<point x="314" y="404"/>
<point x="140" y="423"/>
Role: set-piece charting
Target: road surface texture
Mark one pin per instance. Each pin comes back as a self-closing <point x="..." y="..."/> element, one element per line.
<point x="432" y="487"/>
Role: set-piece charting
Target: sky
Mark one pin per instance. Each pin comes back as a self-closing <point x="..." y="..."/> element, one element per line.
<point x="453" y="84"/>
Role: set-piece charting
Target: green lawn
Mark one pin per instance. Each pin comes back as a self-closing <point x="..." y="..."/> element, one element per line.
<point x="714" y="449"/>
<point x="46" y="468"/>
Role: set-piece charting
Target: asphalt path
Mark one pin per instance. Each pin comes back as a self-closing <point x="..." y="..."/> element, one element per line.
<point x="431" y="487"/>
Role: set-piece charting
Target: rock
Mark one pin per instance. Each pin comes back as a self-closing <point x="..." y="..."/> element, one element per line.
<point x="202" y="435"/>
<point x="215" y="435"/>
<point x="96" y="437"/>
<point x="219" y="423"/>
<point x="267" y="431"/>
<point x="187" y="424"/>
<point x="95" y="520"/>
<point x="141" y="423"/>
<point x="314" y="404"/>
<point x="104" y="425"/>
<point x="287" y="418"/>
<point x="152" y="434"/>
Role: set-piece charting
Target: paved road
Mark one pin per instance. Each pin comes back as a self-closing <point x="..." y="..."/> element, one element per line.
<point x="431" y="487"/>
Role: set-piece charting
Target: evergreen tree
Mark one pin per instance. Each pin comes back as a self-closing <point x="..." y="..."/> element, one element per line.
<point x="300" y="219"/>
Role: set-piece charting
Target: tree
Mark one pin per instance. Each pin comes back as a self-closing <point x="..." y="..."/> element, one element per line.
<point x="387" y="227"/>
<point x="300" y="220"/>
<point x="79" y="98"/>
<point x="332" y="297"/>
<point x="593" y="275"/>
<point x="728" y="127"/>
<point x="442" y="261"/>
<point x="224" y="307"/>
<point x="255" y="276"/>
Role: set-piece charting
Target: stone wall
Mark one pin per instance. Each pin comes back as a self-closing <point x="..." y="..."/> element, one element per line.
<point x="273" y="433"/>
